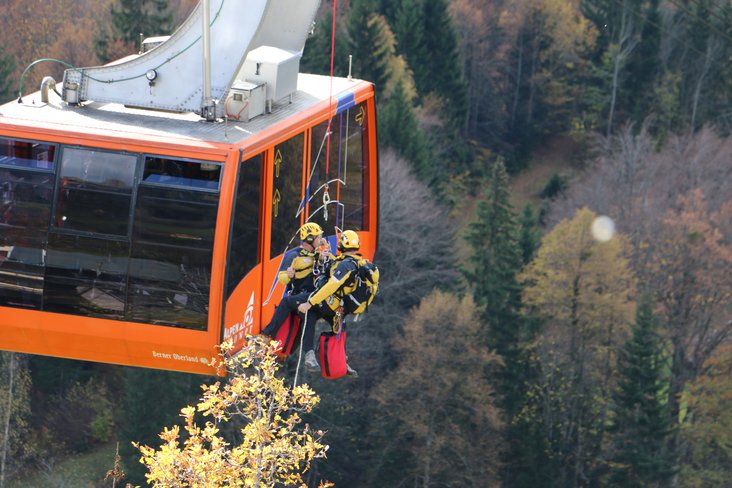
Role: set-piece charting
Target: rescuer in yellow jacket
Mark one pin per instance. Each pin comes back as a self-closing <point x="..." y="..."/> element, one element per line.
<point x="326" y="302"/>
<point x="297" y="274"/>
<point x="296" y="270"/>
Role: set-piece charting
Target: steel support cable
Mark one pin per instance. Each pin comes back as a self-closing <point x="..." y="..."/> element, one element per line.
<point x="326" y="195"/>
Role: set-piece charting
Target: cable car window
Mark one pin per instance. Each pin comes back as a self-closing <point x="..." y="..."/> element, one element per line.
<point x="95" y="191"/>
<point x="189" y="174"/>
<point x="24" y="154"/>
<point x="352" y="168"/>
<point x="286" y="194"/>
<point x="171" y="255"/>
<point x="320" y="164"/>
<point x="244" y="241"/>
<point x="86" y="276"/>
<point x="25" y="211"/>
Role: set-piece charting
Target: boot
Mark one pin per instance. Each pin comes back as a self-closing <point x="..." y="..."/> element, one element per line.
<point x="351" y="372"/>
<point x="310" y="361"/>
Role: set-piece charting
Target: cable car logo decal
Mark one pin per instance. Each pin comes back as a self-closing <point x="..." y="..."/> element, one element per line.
<point x="240" y="329"/>
<point x="179" y="357"/>
<point x="249" y="316"/>
<point x="360" y="116"/>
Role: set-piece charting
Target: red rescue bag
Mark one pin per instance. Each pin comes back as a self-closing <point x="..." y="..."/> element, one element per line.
<point x="332" y="355"/>
<point x="288" y="335"/>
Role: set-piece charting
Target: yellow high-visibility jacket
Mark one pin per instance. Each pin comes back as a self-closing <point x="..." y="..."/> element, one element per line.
<point x="341" y="282"/>
<point x="304" y="262"/>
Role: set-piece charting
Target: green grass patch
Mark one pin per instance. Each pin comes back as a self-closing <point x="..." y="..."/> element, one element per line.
<point x="78" y="471"/>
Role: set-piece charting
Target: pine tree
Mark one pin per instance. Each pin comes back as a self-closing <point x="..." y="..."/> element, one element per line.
<point x="408" y="29"/>
<point x="529" y="233"/>
<point x="147" y="17"/>
<point x="398" y="129"/>
<point x="644" y="65"/>
<point x="496" y="263"/>
<point x="371" y="42"/>
<point x="642" y="423"/>
<point x="496" y="260"/>
<point x="7" y="66"/>
<point x="442" y="64"/>
<point x="316" y="56"/>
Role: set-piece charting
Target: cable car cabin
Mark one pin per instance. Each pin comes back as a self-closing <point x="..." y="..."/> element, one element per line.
<point x="145" y="238"/>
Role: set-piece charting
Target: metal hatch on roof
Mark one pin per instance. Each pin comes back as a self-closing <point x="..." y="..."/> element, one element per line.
<point x="194" y="69"/>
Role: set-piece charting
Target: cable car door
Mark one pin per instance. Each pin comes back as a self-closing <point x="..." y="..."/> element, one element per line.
<point x="285" y="214"/>
<point x="244" y="272"/>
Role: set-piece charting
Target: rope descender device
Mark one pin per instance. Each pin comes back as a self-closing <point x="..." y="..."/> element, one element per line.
<point x="326" y="201"/>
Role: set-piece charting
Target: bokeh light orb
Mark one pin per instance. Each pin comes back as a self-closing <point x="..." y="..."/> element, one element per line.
<point x="603" y="228"/>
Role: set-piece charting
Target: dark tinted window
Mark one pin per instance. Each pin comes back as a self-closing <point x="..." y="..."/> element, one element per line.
<point x="95" y="191"/>
<point x="25" y="211"/>
<point x="27" y="154"/>
<point x="171" y="255"/>
<point x="244" y="239"/>
<point x="320" y="164"/>
<point x="86" y="276"/>
<point x="342" y="174"/>
<point x="91" y="263"/>
<point x="188" y="174"/>
<point x="352" y="168"/>
<point x="286" y="194"/>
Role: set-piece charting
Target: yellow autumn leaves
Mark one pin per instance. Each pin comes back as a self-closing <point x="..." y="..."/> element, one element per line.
<point x="271" y="448"/>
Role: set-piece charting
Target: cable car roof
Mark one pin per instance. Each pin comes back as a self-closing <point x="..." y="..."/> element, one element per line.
<point x="113" y="119"/>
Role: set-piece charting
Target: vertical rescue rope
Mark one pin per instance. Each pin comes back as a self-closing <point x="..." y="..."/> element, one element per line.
<point x="326" y="196"/>
<point x="299" y="356"/>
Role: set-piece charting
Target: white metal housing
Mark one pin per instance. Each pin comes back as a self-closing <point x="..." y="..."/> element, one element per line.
<point x="170" y="76"/>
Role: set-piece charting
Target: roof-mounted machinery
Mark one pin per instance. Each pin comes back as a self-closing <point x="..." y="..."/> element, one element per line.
<point x="253" y="43"/>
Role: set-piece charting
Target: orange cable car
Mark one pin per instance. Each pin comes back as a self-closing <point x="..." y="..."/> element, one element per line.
<point x="145" y="238"/>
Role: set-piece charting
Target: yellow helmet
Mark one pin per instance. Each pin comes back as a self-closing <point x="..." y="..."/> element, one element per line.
<point x="349" y="241"/>
<point x="310" y="231"/>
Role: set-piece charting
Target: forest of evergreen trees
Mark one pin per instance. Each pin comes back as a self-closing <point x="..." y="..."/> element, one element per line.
<point x="507" y="346"/>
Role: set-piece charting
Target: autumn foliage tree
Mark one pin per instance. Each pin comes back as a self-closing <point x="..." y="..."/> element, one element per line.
<point x="690" y="267"/>
<point x="272" y="448"/>
<point x="582" y="290"/>
<point x="680" y="245"/>
<point x="15" y="384"/>
<point x="63" y="29"/>
<point x="707" y="426"/>
<point x="7" y="66"/>
<point x="441" y="400"/>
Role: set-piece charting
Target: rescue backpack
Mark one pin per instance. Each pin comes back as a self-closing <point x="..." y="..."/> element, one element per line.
<point x="366" y="287"/>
